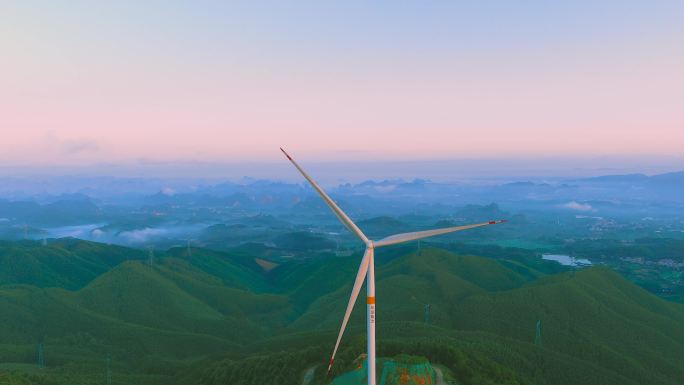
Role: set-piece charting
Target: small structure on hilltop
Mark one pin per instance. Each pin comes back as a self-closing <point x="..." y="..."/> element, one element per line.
<point x="401" y="370"/>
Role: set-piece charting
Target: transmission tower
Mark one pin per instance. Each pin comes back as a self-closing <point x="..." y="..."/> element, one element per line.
<point x="419" y="250"/>
<point x="109" y="370"/>
<point x="189" y="251"/>
<point x="41" y="357"/>
<point x="150" y="257"/>
<point x="427" y="314"/>
<point x="537" y="335"/>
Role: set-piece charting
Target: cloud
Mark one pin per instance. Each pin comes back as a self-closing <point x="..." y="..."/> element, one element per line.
<point x="143" y="235"/>
<point x="72" y="147"/>
<point x="573" y="205"/>
<point x="168" y="191"/>
<point x="151" y="234"/>
<point x="385" y="189"/>
<point x="69" y="146"/>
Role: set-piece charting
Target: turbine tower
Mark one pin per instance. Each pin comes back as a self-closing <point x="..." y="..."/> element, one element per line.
<point x="367" y="267"/>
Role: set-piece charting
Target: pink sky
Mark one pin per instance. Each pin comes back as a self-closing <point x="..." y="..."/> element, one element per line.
<point x="75" y="89"/>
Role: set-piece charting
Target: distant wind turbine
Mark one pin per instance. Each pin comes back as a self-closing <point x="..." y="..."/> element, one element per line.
<point x="367" y="267"/>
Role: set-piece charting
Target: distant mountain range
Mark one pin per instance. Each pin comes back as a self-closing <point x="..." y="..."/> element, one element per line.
<point x="118" y="190"/>
<point x="672" y="179"/>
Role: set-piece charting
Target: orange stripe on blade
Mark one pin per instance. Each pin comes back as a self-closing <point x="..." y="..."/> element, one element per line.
<point x="370" y="300"/>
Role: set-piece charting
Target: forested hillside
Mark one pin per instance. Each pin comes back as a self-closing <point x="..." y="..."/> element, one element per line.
<point x="205" y="317"/>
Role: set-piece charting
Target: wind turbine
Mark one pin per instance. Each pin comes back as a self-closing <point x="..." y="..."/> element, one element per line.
<point x="367" y="267"/>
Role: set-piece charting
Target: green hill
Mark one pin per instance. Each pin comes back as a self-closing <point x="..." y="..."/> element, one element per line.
<point x="208" y="317"/>
<point x="593" y="320"/>
<point x="405" y="285"/>
<point x="302" y="241"/>
<point x="67" y="263"/>
<point x="594" y="315"/>
<point x="380" y="227"/>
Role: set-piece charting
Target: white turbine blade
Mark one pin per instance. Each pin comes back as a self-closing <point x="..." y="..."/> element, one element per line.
<point x="360" y="277"/>
<point x="333" y="206"/>
<point x="406" y="237"/>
